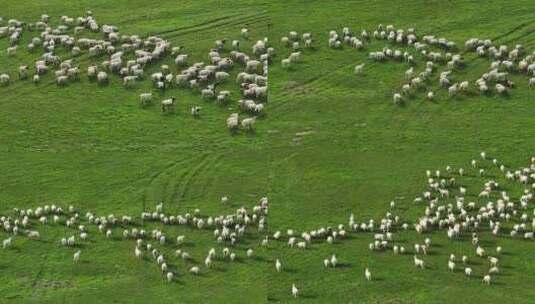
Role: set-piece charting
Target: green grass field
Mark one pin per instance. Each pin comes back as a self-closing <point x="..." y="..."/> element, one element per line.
<point x="330" y="144"/>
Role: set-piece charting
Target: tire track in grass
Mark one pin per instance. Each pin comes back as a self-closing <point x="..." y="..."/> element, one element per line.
<point x="219" y="26"/>
<point x="207" y="162"/>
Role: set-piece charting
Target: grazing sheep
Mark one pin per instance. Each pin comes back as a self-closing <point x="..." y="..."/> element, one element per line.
<point x="487" y="279"/>
<point x="468" y="271"/>
<point x="145" y="99"/>
<point x="170" y="277"/>
<point x="358" y="69"/>
<point x="76" y="256"/>
<point x="278" y="265"/>
<point x="247" y="123"/>
<point x="6" y="243"/>
<point x="102" y="77"/>
<point x="194" y="270"/>
<point x="368" y="274"/>
<point x="398" y="99"/>
<point x="501" y="89"/>
<point x="233" y="121"/>
<point x="295" y="291"/>
<point x="4" y="79"/>
<point x="430" y="96"/>
<point x="168" y="105"/>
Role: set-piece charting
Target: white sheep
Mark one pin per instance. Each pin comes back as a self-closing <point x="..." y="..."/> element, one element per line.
<point x="145" y="99"/>
<point x="358" y="69"/>
<point x="233" y="121"/>
<point x="4" y="79"/>
<point x="76" y="256"/>
<point x="102" y="77"/>
<point x="368" y="274"/>
<point x="398" y="99"/>
<point x="278" y="265"/>
<point x="168" y="105"/>
<point x="248" y="123"/>
<point x="170" y="277"/>
<point x="295" y="291"/>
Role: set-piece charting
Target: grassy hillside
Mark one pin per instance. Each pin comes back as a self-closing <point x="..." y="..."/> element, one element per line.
<point x="94" y="147"/>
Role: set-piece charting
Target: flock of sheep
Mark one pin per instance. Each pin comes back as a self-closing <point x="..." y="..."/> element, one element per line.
<point x="406" y="46"/>
<point x="129" y="57"/>
<point x="448" y="205"/>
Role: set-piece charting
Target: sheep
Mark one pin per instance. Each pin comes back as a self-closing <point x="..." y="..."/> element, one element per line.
<point x="169" y="277"/>
<point x="358" y="69"/>
<point x="486" y="279"/>
<point x="250" y="253"/>
<point x="398" y="99"/>
<point x="334" y="261"/>
<point x="221" y="76"/>
<point x="168" y="105"/>
<point x="195" y="111"/>
<point x="295" y="291"/>
<point x="11" y="51"/>
<point x="76" y="256"/>
<point x="102" y="77"/>
<point x="418" y="262"/>
<point x="468" y="271"/>
<point x="194" y="270"/>
<point x="451" y="265"/>
<point x="129" y="81"/>
<point x="145" y="99"/>
<point x="244" y="33"/>
<point x="247" y="123"/>
<point x="368" y="274"/>
<point x="501" y="89"/>
<point x="6" y="243"/>
<point x="4" y="79"/>
<point x="33" y="235"/>
<point x="233" y="121"/>
<point x="278" y="265"/>
<point x="430" y="95"/>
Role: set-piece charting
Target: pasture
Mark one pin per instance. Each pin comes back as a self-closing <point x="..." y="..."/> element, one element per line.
<point x="329" y="144"/>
